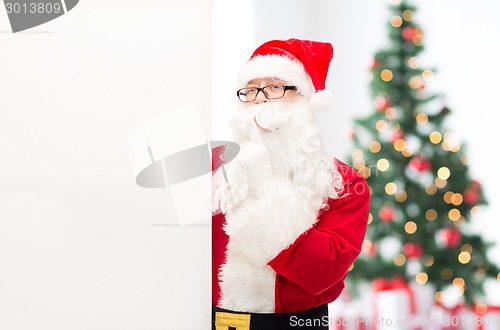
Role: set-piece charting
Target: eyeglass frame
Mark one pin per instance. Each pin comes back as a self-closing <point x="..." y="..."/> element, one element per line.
<point x="261" y="89"/>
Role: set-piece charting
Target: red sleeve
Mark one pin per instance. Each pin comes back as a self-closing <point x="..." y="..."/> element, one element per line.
<point x="320" y="258"/>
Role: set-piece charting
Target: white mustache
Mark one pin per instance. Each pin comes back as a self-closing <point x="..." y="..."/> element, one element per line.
<point x="271" y="116"/>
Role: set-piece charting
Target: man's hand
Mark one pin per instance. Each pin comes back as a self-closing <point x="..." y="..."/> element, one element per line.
<point x="246" y="175"/>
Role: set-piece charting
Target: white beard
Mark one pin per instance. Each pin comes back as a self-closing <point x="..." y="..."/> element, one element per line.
<point x="295" y="146"/>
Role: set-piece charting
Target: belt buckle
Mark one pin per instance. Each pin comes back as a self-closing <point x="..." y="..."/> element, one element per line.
<point x="238" y="321"/>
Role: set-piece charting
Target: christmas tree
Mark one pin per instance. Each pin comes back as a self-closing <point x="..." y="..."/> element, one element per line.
<point x="423" y="198"/>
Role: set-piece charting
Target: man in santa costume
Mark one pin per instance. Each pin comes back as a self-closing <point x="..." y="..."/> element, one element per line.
<point x="289" y="220"/>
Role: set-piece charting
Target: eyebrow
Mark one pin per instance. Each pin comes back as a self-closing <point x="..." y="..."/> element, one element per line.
<point x="274" y="80"/>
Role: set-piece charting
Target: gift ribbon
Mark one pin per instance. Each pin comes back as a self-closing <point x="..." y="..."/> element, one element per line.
<point x="396" y="283"/>
<point x="339" y="324"/>
<point x="453" y="314"/>
<point x="481" y="311"/>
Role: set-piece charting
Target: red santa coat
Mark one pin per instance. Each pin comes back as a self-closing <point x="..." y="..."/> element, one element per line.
<point x="311" y="271"/>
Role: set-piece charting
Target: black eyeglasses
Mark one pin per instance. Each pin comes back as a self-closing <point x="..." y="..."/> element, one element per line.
<point x="271" y="92"/>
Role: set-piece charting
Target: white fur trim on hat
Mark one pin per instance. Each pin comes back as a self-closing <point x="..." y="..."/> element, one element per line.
<point x="275" y="66"/>
<point x="322" y="100"/>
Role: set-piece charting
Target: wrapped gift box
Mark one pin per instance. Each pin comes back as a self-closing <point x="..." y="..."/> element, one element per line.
<point x="386" y="304"/>
<point x="400" y="305"/>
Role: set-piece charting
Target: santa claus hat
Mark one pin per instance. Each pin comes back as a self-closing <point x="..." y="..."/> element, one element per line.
<point x="302" y="63"/>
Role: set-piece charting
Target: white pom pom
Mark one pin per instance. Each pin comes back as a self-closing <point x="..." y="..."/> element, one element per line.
<point x="322" y="100"/>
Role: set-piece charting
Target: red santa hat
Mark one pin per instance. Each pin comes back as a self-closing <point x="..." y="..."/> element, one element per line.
<point x="302" y="63"/>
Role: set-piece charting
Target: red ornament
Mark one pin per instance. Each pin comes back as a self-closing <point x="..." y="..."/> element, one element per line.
<point x="386" y="214"/>
<point x="445" y="110"/>
<point x="475" y="185"/>
<point x="471" y="196"/>
<point x="397" y="135"/>
<point x="420" y="164"/>
<point x="408" y="33"/>
<point x="369" y="248"/>
<point x="449" y="237"/>
<point x="374" y="63"/>
<point x="413" y="250"/>
<point x="382" y="103"/>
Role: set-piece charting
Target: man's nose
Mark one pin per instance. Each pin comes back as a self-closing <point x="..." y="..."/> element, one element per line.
<point x="261" y="97"/>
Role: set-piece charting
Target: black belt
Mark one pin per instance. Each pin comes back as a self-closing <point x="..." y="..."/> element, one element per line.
<point x="311" y="319"/>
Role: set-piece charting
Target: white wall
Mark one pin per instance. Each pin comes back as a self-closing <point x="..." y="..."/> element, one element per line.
<point x="233" y="40"/>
